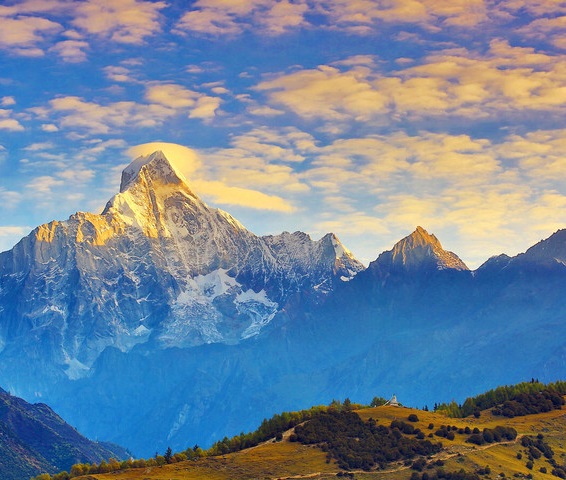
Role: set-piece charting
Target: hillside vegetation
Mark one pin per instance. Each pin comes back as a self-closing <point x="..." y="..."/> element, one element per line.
<point x="346" y="440"/>
<point x="34" y="439"/>
<point x="511" y="400"/>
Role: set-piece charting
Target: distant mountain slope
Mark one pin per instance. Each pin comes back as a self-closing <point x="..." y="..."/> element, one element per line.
<point x="34" y="440"/>
<point x="165" y="309"/>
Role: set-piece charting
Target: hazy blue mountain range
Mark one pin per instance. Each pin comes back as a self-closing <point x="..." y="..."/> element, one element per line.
<point x="34" y="440"/>
<point x="163" y="321"/>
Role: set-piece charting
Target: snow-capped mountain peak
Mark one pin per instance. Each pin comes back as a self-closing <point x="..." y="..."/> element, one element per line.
<point x="339" y="249"/>
<point x="155" y="165"/>
<point x="158" y="266"/>
<point x="152" y="190"/>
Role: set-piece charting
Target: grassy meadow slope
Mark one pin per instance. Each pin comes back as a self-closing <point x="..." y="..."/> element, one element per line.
<point x="287" y="460"/>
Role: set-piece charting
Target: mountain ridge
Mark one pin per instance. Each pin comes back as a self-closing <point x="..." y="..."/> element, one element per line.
<point x="34" y="440"/>
<point x="156" y="256"/>
<point x="417" y="251"/>
<point x="166" y="301"/>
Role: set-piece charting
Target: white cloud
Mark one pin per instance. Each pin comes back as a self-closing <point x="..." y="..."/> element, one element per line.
<point x="10" y="230"/>
<point x="224" y="194"/>
<point x="221" y="17"/>
<point x="506" y="80"/>
<point x="71" y="51"/>
<point x="283" y="16"/>
<point x="7" y="101"/>
<point x="11" y="125"/>
<point x="286" y="145"/>
<point x="42" y="186"/>
<point x="171" y="95"/>
<point x="123" y="21"/>
<point x="38" y="146"/>
<point x="264" y="111"/>
<point x="119" y="74"/>
<point x="21" y="35"/>
<point x="165" y="101"/>
<point x="178" y="97"/>
<point x="11" y="234"/>
<point x="27" y="26"/>
<point x="184" y="158"/>
<point x="275" y="17"/>
<point x="220" y="192"/>
<point x="9" y="198"/>
<point x="49" y="127"/>
<point x="313" y="93"/>
<point x="205" y="107"/>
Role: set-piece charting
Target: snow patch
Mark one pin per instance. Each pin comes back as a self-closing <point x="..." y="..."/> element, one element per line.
<point x="179" y="421"/>
<point x="323" y="287"/>
<point x="258" y="307"/>
<point x="351" y="274"/>
<point x="141" y="331"/>
<point x="76" y="369"/>
<point x="251" y="296"/>
<point x="214" y="284"/>
<point x="231" y="220"/>
<point x="52" y="308"/>
<point x="259" y="322"/>
<point x="214" y="309"/>
<point x="340" y="249"/>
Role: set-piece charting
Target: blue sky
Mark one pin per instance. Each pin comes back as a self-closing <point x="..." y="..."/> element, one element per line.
<point x="361" y="117"/>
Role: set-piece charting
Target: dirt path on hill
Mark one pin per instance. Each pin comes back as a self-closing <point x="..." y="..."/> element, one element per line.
<point x="445" y="455"/>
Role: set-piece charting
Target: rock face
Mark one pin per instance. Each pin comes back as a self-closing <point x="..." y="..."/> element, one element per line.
<point x="164" y="322"/>
<point x="159" y="266"/>
<point x="417" y="252"/>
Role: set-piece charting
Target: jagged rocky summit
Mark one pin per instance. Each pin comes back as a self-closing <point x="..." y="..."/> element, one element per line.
<point x="158" y="265"/>
<point x="165" y="322"/>
<point x="419" y="251"/>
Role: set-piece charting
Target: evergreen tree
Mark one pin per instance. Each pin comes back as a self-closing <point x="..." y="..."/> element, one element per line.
<point x="168" y="455"/>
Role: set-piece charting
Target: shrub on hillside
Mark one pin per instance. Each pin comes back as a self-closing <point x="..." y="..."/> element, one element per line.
<point x="520" y="393"/>
<point x="354" y="443"/>
<point x="489" y="435"/>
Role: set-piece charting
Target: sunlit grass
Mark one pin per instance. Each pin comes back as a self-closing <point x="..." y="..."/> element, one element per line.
<point x="286" y="460"/>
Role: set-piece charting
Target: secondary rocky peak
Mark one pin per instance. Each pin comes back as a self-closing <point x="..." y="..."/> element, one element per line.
<point x="422" y="248"/>
<point x="340" y="250"/>
<point x="418" y="251"/>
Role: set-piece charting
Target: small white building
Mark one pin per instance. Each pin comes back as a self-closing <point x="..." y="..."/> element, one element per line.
<point x="393" y="402"/>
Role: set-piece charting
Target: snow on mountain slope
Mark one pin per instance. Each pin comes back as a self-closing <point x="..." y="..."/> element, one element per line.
<point x="157" y="265"/>
<point x="90" y="306"/>
<point x="298" y="253"/>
